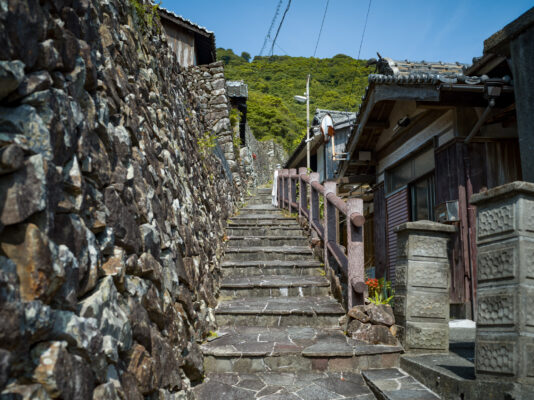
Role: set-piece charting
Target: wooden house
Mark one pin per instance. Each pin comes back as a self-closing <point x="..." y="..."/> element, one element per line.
<point x="321" y="160"/>
<point x="428" y="136"/>
<point x="192" y="44"/>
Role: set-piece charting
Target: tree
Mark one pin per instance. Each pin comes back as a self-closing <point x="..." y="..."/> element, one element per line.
<point x="337" y="83"/>
<point x="246" y="56"/>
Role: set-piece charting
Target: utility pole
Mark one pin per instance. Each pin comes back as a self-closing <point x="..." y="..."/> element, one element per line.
<point x="308" y="123"/>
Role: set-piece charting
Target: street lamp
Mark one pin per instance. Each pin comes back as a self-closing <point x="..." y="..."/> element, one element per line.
<point x="302" y="99"/>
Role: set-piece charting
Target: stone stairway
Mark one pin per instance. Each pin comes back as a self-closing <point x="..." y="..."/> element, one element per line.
<point x="279" y="335"/>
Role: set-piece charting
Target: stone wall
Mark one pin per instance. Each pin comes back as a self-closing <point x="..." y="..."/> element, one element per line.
<point x="111" y="213"/>
<point x="209" y="84"/>
<point x="261" y="158"/>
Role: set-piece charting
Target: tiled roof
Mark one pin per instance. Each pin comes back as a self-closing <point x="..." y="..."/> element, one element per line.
<point x="185" y="21"/>
<point x="427" y="78"/>
<point x="388" y="66"/>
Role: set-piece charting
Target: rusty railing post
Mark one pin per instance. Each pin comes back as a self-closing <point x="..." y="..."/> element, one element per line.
<point x="314" y="200"/>
<point x="279" y="189"/>
<point x="330" y="223"/>
<point x="292" y="189"/>
<point x="303" y="191"/>
<point x="284" y="187"/>
<point x="355" y="255"/>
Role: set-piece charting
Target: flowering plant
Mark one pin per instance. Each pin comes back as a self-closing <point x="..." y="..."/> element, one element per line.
<point x="380" y="291"/>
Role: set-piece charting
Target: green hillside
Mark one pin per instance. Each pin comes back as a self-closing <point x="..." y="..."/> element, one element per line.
<point x="273" y="81"/>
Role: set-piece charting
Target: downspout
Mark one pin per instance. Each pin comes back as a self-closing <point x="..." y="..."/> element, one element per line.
<point x="480" y="121"/>
<point x="492" y="90"/>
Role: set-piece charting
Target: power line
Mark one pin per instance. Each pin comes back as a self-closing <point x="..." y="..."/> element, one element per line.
<point x="321" y="30"/>
<point x="360" y="49"/>
<point x="280" y="26"/>
<point x="271" y="27"/>
<point x="364" y="27"/>
<point x="286" y="53"/>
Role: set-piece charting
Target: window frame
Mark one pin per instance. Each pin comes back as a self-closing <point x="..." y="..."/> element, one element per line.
<point x="431" y="195"/>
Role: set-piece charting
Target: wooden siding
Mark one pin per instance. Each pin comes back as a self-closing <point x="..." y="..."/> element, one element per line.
<point x="379" y="231"/>
<point x="182" y="43"/>
<point x="450" y="181"/>
<point x="397" y="212"/>
<point x="494" y="163"/>
<point x="462" y="170"/>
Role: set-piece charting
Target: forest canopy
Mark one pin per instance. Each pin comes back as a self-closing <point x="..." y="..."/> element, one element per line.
<point x="336" y="83"/>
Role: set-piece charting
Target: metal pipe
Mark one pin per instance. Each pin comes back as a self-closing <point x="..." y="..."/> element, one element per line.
<point x="480" y="121"/>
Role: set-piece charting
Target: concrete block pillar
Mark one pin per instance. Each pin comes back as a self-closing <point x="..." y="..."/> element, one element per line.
<point x="505" y="283"/>
<point x="421" y="303"/>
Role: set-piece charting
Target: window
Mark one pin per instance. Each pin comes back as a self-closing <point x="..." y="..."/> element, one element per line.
<point x="409" y="170"/>
<point x="422" y="198"/>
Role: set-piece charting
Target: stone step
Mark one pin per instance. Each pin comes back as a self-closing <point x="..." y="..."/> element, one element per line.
<point x="264" y="191"/>
<point x="260" y="201"/>
<point x="244" y="212"/>
<point x="262" y="219"/>
<point x="272" y="267"/>
<point x="320" y="311"/>
<point x="266" y="208"/>
<point x="259" y="224"/>
<point x="395" y="384"/>
<point x="261" y="349"/>
<point x="283" y="386"/>
<point x="265" y="230"/>
<point x="283" y="253"/>
<point x="275" y="286"/>
<point x="260" y="241"/>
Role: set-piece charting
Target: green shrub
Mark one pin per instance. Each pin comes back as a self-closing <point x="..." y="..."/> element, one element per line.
<point x="147" y="14"/>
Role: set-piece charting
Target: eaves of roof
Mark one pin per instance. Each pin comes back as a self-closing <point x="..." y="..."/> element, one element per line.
<point x="422" y="78"/>
<point x="184" y="21"/>
<point x="410" y="82"/>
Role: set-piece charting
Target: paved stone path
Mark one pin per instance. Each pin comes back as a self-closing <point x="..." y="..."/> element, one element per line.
<point x="279" y="336"/>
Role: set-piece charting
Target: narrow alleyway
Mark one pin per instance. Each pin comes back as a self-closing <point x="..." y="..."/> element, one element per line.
<point x="279" y="336"/>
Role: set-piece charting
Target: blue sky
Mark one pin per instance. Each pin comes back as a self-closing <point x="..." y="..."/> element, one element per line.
<point x="432" y="30"/>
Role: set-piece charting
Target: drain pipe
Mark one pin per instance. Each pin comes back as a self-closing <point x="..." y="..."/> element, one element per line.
<point x="492" y="90"/>
<point x="480" y="121"/>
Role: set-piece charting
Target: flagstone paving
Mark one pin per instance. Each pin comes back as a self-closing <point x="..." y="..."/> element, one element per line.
<point x="279" y="335"/>
<point x="285" y="386"/>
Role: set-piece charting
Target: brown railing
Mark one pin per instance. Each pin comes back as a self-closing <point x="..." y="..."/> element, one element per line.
<point x="351" y="263"/>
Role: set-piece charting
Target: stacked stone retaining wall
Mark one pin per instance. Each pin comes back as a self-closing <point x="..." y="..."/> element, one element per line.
<point x="111" y="213"/>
